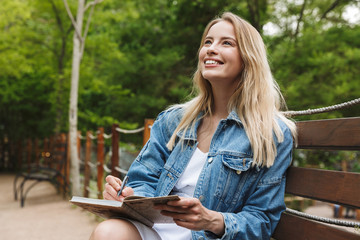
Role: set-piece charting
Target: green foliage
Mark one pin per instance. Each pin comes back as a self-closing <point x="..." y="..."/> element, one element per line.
<point x="140" y="55"/>
<point x="317" y="67"/>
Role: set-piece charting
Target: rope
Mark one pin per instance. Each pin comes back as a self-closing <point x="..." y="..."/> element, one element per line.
<point x="106" y="136"/>
<point x="129" y="131"/>
<point x="323" y="219"/>
<point x="92" y="136"/>
<point x="323" y="109"/>
<point x="92" y="165"/>
<point x="81" y="136"/>
<point x="106" y="169"/>
<point x="121" y="170"/>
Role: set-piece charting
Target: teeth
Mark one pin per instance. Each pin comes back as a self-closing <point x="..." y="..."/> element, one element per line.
<point x="210" y="62"/>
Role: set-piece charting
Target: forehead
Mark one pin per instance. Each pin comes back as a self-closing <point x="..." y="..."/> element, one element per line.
<point x="223" y="29"/>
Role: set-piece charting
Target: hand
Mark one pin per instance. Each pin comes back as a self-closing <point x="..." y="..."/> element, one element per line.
<point x="191" y="214"/>
<point x="112" y="187"/>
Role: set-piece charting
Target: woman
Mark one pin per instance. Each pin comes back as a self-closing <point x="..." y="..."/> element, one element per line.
<point x="225" y="152"/>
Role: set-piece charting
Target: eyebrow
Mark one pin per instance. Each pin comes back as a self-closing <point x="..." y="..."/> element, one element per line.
<point x="222" y="38"/>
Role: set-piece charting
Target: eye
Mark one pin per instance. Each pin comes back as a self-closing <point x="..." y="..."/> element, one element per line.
<point x="228" y="43"/>
<point x="207" y="42"/>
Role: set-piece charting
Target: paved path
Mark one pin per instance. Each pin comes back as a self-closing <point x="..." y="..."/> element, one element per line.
<point x="46" y="215"/>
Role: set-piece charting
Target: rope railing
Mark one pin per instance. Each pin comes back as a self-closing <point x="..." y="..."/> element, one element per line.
<point x="81" y="137"/>
<point x="323" y="109"/>
<point x="101" y="167"/>
<point x="324" y="219"/>
<point x="107" y="136"/>
<point x="120" y="130"/>
<point x="92" y="165"/>
<point x="106" y="169"/>
<point x="120" y="170"/>
<point x="92" y="137"/>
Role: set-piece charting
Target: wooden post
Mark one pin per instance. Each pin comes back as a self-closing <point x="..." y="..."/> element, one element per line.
<point x="19" y="155"/>
<point x="37" y="152"/>
<point x="68" y="160"/>
<point x="341" y="215"/>
<point x="78" y="143"/>
<point x="100" y="161"/>
<point x="115" y="149"/>
<point x="51" y="144"/>
<point x="87" y="169"/>
<point x="46" y="151"/>
<point x="62" y="142"/>
<point x="147" y="127"/>
<point x="10" y="164"/>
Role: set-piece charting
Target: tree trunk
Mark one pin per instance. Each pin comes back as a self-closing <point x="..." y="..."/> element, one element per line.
<point x="75" y="73"/>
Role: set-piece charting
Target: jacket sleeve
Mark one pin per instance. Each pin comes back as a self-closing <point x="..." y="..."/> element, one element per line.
<point x="145" y="170"/>
<point x="262" y="210"/>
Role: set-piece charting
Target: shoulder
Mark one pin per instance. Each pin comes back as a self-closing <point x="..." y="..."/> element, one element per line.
<point x="172" y="114"/>
<point x="169" y="119"/>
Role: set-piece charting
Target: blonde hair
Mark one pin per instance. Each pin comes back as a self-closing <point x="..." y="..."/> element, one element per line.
<point x="257" y="99"/>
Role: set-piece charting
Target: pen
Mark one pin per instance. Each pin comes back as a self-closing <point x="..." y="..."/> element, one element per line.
<point x="126" y="178"/>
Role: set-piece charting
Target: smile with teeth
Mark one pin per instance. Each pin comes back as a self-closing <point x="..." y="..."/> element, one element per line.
<point x="211" y="62"/>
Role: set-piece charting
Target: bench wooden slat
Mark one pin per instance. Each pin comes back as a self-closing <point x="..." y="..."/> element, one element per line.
<point x="334" y="134"/>
<point x="297" y="228"/>
<point x="330" y="186"/>
<point x="324" y="185"/>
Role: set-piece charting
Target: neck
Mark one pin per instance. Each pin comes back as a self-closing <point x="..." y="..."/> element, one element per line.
<point x="221" y="101"/>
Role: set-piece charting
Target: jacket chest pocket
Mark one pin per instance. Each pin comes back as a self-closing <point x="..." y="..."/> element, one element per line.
<point x="235" y="176"/>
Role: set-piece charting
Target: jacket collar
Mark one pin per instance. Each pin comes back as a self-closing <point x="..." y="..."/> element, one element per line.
<point x="234" y="116"/>
<point x="191" y="134"/>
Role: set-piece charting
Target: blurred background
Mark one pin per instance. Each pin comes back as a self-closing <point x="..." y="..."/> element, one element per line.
<point x="138" y="57"/>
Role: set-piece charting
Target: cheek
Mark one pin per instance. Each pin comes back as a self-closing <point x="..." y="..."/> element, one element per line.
<point x="202" y="54"/>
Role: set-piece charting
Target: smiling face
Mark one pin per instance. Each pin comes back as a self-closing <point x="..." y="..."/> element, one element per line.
<point x="219" y="57"/>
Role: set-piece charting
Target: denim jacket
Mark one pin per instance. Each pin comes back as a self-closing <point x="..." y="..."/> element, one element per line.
<point x="251" y="199"/>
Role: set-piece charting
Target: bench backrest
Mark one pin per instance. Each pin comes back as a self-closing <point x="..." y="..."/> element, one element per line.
<point x="330" y="186"/>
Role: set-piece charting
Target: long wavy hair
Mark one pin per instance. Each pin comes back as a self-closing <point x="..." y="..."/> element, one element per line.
<point x="257" y="99"/>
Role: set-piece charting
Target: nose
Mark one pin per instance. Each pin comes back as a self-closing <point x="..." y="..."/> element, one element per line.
<point x="212" y="50"/>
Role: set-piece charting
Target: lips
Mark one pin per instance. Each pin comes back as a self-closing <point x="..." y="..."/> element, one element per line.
<point x="212" y="62"/>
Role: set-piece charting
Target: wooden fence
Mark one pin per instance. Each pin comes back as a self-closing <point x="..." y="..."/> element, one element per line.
<point x="23" y="154"/>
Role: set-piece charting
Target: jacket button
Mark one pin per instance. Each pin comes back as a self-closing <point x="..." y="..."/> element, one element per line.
<point x="201" y="238"/>
<point x="201" y="198"/>
<point x="210" y="160"/>
<point x="238" y="172"/>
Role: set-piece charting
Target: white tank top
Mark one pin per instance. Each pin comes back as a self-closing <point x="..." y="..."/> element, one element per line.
<point x="185" y="187"/>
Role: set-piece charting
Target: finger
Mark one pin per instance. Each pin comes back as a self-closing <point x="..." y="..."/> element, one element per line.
<point x="172" y="209"/>
<point x="185" y="224"/>
<point x="114" y="182"/>
<point x="128" y="191"/>
<point x="108" y="196"/>
<point x="110" y="190"/>
<point x="184" y="202"/>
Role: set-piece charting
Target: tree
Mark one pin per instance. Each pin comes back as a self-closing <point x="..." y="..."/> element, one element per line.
<point x="26" y="82"/>
<point x="78" y="50"/>
<point x="315" y="57"/>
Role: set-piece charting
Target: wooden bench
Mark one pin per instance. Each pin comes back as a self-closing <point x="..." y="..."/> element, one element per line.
<point x="336" y="187"/>
<point x="51" y="169"/>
